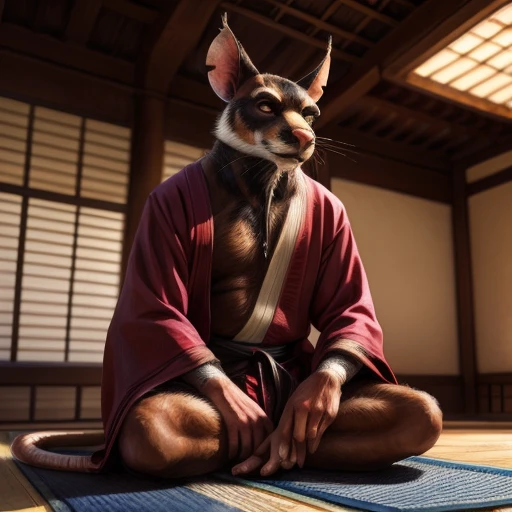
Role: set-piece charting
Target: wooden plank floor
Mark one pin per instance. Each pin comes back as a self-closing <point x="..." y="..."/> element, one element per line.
<point x="481" y="445"/>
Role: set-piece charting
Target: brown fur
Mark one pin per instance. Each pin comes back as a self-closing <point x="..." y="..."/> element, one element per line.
<point x="239" y="265"/>
<point x="377" y="424"/>
<point x="243" y="131"/>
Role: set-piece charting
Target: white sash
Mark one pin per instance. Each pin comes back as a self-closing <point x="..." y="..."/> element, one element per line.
<point x="256" y="327"/>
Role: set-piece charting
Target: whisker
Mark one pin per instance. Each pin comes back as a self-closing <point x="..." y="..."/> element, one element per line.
<point x="233" y="161"/>
<point x="337" y="141"/>
<point x="342" y="154"/>
<point x="253" y="166"/>
<point x="331" y="146"/>
<point x="318" y="159"/>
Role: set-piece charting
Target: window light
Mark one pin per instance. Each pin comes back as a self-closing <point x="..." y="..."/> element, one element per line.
<point x="502" y="95"/>
<point x="477" y="67"/>
<point x="437" y="62"/>
<point x="502" y="60"/>
<point x="471" y="79"/>
<point x="491" y="85"/>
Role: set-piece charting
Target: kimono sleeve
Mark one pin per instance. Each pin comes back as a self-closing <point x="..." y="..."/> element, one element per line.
<point x="151" y="338"/>
<point x="342" y="307"/>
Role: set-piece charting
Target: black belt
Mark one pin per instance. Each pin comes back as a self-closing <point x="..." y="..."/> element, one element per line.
<point x="238" y="359"/>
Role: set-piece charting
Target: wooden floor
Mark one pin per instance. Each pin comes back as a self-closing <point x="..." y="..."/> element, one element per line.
<point x="482" y="444"/>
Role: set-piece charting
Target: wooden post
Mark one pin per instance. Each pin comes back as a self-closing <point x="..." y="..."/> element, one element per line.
<point x="147" y="155"/>
<point x="464" y="289"/>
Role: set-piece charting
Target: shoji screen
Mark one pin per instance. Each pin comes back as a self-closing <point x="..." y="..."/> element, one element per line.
<point x="63" y="188"/>
<point x="10" y="215"/>
<point x="177" y="156"/>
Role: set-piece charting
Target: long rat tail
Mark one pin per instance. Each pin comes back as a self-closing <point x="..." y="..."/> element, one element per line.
<point x="32" y="449"/>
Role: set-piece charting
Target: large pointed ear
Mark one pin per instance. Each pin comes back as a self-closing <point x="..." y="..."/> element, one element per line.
<point x="231" y="66"/>
<point x="317" y="79"/>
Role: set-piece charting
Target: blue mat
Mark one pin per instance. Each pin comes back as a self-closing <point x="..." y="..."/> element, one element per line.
<point x="417" y="484"/>
<point x="117" y="492"/>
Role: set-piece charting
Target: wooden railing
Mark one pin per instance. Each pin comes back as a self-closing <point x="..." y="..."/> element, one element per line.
<point x="68" y="392"/>
<point x="49" y="392"/>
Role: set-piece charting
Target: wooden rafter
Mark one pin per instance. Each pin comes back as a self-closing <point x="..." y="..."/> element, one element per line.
<point x="76" y="91"/>
<point x="81" y="21"/>
<point x="27" y="42"/>
<point x="280" y="12"/>
<point x="291" y="32"/>
<point x="494" y="180"/>
<point x="392" y="175"/>
<point x="395" y="151"/>
<point x="372" y="13"/>
<point x="131" y="10"/>
<point x="403" y="45"/>
<point x="422" y="117"/>
<point x="195" y="92"/>
<point x="405" y="3"/>
<point x="320" y="24"/>
<point x="366" y="21"/>
<point x="473" y="156"/>
<point x="294" y="65"/>
<point x="172" y="38"/>
<point x="40" y="14"/>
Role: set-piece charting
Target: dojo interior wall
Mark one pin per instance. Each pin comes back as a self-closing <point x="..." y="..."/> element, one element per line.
<point x="406" y="245"/>
<point x="490" y="220"/>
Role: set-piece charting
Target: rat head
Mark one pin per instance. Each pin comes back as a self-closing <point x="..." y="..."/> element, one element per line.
<point x="266" y="115"/>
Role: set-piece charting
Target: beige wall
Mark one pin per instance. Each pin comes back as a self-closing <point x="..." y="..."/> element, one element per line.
<point x="490" y="215"/>
<point x="491" y="166"/>
<point x="406" y="246"/>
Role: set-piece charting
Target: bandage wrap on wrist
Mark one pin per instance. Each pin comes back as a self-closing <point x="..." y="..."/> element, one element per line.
<point x="200" y="375"/>
<point x="343" y="365"/>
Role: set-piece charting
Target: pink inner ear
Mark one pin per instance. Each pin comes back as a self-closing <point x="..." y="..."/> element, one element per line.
<point x="225" y="56"/>
<point x="315" y="90"/>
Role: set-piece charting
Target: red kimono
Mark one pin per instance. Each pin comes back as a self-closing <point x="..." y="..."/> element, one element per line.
<point x="161" y="325"/>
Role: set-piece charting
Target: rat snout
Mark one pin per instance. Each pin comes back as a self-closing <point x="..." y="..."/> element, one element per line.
<point x="305" y="137"/>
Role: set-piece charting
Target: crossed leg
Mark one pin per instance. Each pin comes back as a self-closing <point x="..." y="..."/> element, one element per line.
<point x="176" y="434"/>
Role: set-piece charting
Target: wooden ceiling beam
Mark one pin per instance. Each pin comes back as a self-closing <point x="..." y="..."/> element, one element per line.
<point x="280" y="12"/>
<point x="372" y="13"/>
<point x="290" y="32"/>
<point x="321" y="24"/>
<point x="472" y="156"/>
<point x="293" y="66"/>
<point x="27" y="42"/>
<point x="195" y="92"/>
<point x="422" y="117"/>
<point x="369" y="144"/>
<point x="81" y="21"/>
<point x="405" y="3"/>
<point x="406" y="40"/>
<point x="389" y="174"/>
<point x="40" y="15"/>
<point x="30" y="79"/>
<point x="131" y="10"/>
<point x="175" y="34"/>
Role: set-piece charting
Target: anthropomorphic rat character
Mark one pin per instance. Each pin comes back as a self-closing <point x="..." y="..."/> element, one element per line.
<point x="207" y="361"/>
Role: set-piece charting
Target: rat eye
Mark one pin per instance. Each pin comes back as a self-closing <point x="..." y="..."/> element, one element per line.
<point x="265" y="106"/>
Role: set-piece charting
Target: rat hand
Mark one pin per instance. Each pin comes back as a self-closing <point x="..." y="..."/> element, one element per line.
<point x="246" y="423"/>
<point x="310" y="410"/>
